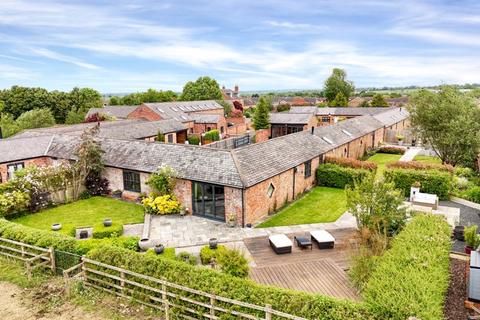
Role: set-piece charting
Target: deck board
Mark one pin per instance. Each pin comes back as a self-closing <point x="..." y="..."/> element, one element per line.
<point x="315" y="271"/>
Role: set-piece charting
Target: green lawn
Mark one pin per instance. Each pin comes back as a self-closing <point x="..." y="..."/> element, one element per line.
<point x="381" y="159"/>
<point x="321" y="204"/>
<point x="428" y="159"/>
<point x="87" y="212"/>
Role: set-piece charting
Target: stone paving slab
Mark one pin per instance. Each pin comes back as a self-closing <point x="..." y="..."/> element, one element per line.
<point x="410" y="154"/>
<point x="189" y="231"/>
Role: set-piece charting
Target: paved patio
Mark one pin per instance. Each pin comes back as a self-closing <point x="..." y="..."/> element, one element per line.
<point x="176" y="231"/>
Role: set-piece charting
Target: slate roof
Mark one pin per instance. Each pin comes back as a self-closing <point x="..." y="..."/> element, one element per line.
<point x="351" y="111"/>
<point x="205" y="118"/>
<point x="25" y="148"/>
<point x="180" y="110"/>
<point x="289" y="118"/>
<point x="303" y="110"/>
<point x="119" y="112"/>
<point x="126" y="129"/>
<point x="242" y="167"/>
<point x="190" y="162"/>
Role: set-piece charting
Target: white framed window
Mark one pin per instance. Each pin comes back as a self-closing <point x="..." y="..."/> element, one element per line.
<point x="270" y="190"/>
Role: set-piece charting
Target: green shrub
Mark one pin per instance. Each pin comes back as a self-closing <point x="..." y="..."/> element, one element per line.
<point x="100" y="231"/>
<point x="212" y="135"/>
<point x="233" y="262"/>
<point x="411" y="278"/>
<point x="392" y="150"/>
<point x="85" y="194"/>
<point x="187" y="258"/>
<point x="46" y="239"/>
<point x="332" y="175"/>
<point x="207" y="254"/>
<point x="431" y="181"/>
<point x="472" y="239"/>
<point x="302" y="304"/>
<point x="362" y="267"/>
<point x="168" y="253"/>
<point x="195" y="140"/>
<point x="473" y="194"/>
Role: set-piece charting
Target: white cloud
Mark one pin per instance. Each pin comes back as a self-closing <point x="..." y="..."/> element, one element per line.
<point x="46" y="53"/>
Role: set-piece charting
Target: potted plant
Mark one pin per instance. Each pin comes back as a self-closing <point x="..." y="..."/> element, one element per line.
<point x="117" y="194"/>
<point x="56" y="226"/>
<point x="213" y="243"/>
<point x="144" y="244"/>
<point x="184" y="211"/>
<point x="159" y="248"/>
<point x="472" y="239"/>
<point x="231" y="220"/>
<point x="400" y="139"/>
<point x="107" y="222"/>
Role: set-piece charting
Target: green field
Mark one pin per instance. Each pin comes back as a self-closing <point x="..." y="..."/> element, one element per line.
<point x="321" y="204"/>
<point x="83" y="213"/>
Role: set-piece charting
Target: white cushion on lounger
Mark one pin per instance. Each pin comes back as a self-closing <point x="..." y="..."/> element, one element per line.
<point x="322" y="236"/>
<point x="280" y="240"/>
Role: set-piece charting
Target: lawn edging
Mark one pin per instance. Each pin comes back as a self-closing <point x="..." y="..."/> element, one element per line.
<point x="465" y="202"/>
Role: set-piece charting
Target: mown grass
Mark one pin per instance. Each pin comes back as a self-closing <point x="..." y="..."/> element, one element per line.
<point x="321" y="204"/>
<point x="428" y="159"/>
<point x="381" y="159"/>
<point x="88" y="212"/>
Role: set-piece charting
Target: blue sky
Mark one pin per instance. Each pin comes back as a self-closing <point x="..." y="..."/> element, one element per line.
<point x="124" y="46"/>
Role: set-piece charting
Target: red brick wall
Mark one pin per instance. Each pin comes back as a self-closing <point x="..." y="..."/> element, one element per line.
<point x="262" y="135"/>
<point x="39" y="162"/>
<point x="144" y="112"/>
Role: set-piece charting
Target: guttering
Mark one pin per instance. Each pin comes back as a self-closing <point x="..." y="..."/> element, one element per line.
<point x="243" y="208"/>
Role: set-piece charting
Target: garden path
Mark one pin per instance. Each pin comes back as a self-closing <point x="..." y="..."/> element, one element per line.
<point x="410" y="154"/>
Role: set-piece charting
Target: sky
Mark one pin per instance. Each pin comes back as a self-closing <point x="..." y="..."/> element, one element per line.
<point x="126" y="46"/>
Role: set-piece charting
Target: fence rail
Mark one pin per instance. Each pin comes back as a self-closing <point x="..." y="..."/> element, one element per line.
<point x="170" y="298"/>
<point x="173" y="300"/>
<point x="32" y="256"/>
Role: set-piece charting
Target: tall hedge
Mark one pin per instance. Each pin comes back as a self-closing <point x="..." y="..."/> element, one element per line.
<point x="431" y="181"/>
<point x="335" y="176"/>
<point x="412" y="277"/>
<point x="301" y="304"/>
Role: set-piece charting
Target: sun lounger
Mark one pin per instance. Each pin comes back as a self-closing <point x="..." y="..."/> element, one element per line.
<point x="280" y="243"/>
<point x="323" y="239"/>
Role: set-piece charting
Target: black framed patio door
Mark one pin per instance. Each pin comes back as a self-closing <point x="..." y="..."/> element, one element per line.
<point x="208" y="200"/>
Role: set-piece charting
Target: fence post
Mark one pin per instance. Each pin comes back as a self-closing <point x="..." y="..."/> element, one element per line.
<point x="52" y="259"/>
<point x="268" y="312"/>
<point x="23" y="250"/>
<point x="122" y="282"/>
<point x="28" y="265"/>
<point x="212" y="305"/>
<point x="166" y="306"/>
<point x="84" y="271"/>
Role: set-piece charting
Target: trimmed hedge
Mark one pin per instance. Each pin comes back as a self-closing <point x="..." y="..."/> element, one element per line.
<point x="392" y="150"/>
<point x="46" y="239"/>
<point x="332" y="175"/>
<point x="301" y="304"/>
<point x="351" y="163"/>
<point x="417" y="165"/>
<point x="431" y="181"/>
<point x="412" y="277"/>
<point x="100" y="231"/>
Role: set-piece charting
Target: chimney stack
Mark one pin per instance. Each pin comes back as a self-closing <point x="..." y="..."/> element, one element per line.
<point x="236" y="88"/>
<point x="313" y="130"/>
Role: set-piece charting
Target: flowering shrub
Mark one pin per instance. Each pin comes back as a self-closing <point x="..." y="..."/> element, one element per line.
<point x="416" y="165"/>
<point x="392" y="150"/>
<point x="351" y="163"/>
<point x="166" y="204"/>
<point x="13" y="202"/>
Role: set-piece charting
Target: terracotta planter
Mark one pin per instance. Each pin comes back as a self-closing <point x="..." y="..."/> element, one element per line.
<point x="468" y="249"/>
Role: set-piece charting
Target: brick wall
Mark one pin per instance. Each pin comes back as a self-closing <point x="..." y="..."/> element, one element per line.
<point x="262" y="135"/>
<point x="144" y="112"/>
<point x="39" y="162"/>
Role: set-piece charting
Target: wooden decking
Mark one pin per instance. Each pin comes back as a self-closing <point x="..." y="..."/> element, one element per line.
<point x="316" y="271"/>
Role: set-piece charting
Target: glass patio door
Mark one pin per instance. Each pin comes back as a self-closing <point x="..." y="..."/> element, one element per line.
<point x="208" y="200"/>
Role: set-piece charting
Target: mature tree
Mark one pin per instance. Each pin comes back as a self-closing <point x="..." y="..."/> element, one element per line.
<point x="204" y="88"/>
<point x="114" y="101"/>
<point x="261" y="117"/>
<point x="338" y="83"/>
<point x="378" y="101"/>
<point x="36" y="118"/>
<point x="377" y="206"/>
<point x="364" y="104"/>
<point x="8" y="125"/>
<point x="339" y="101"/>
<point x="449" y="121"/>
<point x="75" y="116"/>
<point x="151" y="95"/>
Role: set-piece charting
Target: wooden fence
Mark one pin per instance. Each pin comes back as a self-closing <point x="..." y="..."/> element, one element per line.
<point x="32" y="256"/>
<point x="171" y="299"/>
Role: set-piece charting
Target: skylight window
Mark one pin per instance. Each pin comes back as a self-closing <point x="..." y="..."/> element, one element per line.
<point x="327" y="140"/>
<point x="160" y="110"/>
<point x="174" y="109"/>
<point x="184" y="118"/>
<point x="347" y="133"/>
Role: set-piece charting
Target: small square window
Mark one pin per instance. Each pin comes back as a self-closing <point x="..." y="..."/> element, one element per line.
<point x="270" y="190"/>
<point x="170" y="138"/>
